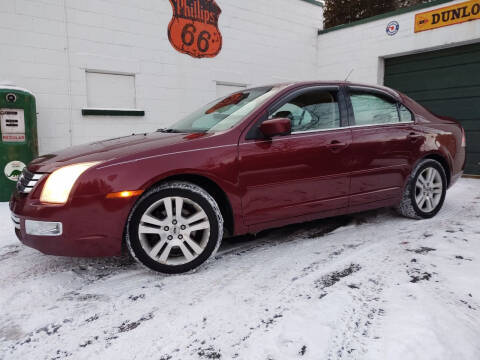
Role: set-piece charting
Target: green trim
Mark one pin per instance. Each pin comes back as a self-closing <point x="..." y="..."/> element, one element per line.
<point x="112" y="112"/>
<point x="386" y="15"/>
<point x="313" y="2"/>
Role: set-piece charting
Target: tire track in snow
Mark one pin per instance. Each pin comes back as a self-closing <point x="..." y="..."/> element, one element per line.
<point x="360" y="317"/>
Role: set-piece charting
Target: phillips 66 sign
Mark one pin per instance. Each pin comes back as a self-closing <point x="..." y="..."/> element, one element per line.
<point x="193" y="29"/>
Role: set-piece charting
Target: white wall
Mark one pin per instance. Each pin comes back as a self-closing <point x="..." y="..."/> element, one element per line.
<point x="363" y="47"/>
<point x="47" y="46"/>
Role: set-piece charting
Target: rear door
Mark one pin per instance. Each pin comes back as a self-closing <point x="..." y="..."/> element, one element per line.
<point x="384" y="145"/>
<point x="302" y="173"/>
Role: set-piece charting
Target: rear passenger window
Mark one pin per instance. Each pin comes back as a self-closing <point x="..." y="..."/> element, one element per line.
<point x="405" y="114"/>
<point x="312" y="110"/>
<point x="371" y="109"/>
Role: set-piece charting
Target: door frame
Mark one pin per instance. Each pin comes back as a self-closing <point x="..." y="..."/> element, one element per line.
<point x="251" y="135"/>
<point x="373" y="91"/>
<point x="252" y="131"/>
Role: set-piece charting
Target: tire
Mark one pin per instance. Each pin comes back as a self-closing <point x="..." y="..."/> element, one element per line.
<point x="172" y="242"/>
<point x="425" y="191"/>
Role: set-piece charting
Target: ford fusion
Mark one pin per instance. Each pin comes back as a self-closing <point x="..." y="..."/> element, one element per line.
<point x="259" y="158"/>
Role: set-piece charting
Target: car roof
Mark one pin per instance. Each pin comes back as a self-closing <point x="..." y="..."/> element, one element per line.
<point x="296" y="84"/>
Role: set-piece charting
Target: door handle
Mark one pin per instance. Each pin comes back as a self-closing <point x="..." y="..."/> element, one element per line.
<point x="337" y="146"/>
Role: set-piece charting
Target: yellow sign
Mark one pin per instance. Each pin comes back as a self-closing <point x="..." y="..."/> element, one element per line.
<point x="450" y="15"/>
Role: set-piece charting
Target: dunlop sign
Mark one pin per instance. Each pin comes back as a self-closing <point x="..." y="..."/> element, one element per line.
<point x="450" y="15"/>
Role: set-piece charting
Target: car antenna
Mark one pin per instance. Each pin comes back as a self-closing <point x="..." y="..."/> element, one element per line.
<point x="348" y="76"/>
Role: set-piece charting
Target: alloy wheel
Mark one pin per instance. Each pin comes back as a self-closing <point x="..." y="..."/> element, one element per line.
<point x="428" y="189"/>
<point x="174" y="231"/>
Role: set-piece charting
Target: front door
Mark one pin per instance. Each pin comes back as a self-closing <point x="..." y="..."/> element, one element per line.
<point x="306" y="172"/>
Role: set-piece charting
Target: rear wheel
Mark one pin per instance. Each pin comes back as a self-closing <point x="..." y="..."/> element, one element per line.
<point x="174" y="228"/>
<point x="425" y="191"/>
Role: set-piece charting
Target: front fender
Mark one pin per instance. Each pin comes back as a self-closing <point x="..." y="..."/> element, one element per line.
<point x="218" y="164"/>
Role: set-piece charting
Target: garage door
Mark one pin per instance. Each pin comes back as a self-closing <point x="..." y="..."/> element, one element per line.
<point x="447" y="82"/>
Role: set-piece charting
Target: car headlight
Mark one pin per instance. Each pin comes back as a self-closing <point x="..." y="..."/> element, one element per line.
<point x="59" y="183"/>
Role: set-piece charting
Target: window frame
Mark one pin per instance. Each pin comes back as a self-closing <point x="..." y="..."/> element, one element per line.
<point x="254" y="132"/>
<point x="381" y="94"/>
<point x="89" y="110"/>
<point x="412" y="114"/>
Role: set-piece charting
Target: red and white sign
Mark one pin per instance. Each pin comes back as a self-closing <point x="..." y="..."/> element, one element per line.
<point x="12" y="123"/>
<point x="13" y="137"/>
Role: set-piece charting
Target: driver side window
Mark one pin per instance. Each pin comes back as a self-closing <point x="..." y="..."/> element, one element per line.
<point x="310" y="111"/>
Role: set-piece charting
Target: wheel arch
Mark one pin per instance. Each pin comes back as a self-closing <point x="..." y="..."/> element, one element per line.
<point x="443" y="161"/>
<point x="213" y="189"/>
<point x="433" y="156"/>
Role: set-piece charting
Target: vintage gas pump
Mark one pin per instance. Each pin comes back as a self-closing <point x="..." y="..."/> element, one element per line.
<point x="18" y="132"/>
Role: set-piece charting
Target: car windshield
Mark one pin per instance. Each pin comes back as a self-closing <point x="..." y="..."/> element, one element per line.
<point x="224" y="113"/>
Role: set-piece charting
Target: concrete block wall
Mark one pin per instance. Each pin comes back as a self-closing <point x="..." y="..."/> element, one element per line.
<point x="363" y="48"/>
<point x="48" y="45"/>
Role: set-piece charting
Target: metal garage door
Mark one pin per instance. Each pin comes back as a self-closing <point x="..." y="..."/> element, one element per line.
<point x="447" y="82"/>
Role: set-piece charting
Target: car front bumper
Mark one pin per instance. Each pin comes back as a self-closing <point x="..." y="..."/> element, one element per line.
<point x="86" y="227"/>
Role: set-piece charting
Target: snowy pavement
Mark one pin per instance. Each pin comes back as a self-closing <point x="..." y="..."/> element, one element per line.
<point x="368" y="286"/>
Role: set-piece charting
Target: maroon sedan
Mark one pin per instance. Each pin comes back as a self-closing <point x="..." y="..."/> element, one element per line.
<point x="260" y="158"/>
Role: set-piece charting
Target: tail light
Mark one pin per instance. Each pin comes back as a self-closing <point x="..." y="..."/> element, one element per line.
<point x="464" y="139"/>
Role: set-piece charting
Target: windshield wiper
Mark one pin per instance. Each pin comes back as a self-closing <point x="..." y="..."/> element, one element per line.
<point x="168" y="131"/>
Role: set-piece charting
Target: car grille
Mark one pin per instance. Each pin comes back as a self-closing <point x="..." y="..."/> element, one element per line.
<point x="27" y="181"/>
<point x="16" y="221"/>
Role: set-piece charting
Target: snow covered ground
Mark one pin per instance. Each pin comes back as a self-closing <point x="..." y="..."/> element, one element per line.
<point x="367" y="286"/>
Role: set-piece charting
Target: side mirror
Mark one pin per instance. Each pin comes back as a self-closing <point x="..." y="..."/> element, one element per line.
<point x="276" y="127"/>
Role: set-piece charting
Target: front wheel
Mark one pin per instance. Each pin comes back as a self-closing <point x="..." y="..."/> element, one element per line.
<point x="425" y="191"/>
<point x="174" y="228"/>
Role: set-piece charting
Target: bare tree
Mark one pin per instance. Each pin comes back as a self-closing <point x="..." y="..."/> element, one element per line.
<point x="338" y="12"/>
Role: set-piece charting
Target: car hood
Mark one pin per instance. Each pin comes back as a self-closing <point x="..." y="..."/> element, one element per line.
<point x="114" y="149"/>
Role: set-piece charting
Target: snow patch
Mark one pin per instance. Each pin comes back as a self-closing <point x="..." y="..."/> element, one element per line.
<point x="396" y="289"/>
